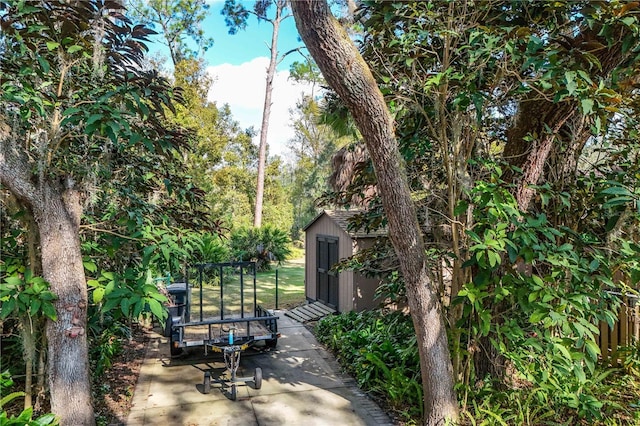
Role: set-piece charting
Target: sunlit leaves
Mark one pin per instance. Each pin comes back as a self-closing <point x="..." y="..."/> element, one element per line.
<point x="22" y="293"/>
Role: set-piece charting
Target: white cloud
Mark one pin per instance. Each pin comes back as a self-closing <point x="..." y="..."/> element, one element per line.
<point x="242" y="87"/>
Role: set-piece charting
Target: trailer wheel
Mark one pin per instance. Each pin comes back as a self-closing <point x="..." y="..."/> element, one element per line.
<point x="174" y="349"/>
<point x="257" y="379"/>
<point x="234" y="392"/>
<point x="271" y="343"/>
<point x="207" y="383"/>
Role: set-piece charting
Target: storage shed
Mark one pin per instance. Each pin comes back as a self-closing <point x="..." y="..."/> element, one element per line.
<point x="328" y="240"/>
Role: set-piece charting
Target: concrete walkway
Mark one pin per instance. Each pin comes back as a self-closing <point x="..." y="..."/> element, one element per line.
<point x="302" y="385"/>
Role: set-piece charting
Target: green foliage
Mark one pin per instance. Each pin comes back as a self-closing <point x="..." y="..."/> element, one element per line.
<point x="561" y="289"/>
<point x="380" y="349"/>
<point x="312" y="146"/>
<point x="25" y="418"/>
<point x="105" y="341"/>
<point x="210" y="249"/>
<point x="24" y="294"/>
<point x="178" y="21"/>
<point x="128" y="296"/>
<point x="532" y="406"/>
<point x="262" y="245"/>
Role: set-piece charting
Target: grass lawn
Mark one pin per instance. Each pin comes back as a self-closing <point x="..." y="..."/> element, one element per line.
<point x="290" y="290"/>
<point x="290" y="286"/>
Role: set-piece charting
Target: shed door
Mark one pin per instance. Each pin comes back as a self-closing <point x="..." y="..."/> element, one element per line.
<point x="327" y="256"/>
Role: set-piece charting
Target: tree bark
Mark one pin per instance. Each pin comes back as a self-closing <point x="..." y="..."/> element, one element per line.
<point x="266" y="113"/>
<point x="56" y="212"/>
<point x="537" y="115"/>
<point x="348" y="74"/>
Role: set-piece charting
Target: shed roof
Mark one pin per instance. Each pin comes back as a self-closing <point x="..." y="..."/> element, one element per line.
<point x="341" y="218"/>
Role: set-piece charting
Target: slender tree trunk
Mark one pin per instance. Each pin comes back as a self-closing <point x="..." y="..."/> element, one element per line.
<point x="42" y="368"/>
<point x="348" y="74"/>
<point x="266" y="113"/>
<point x="29" y="351"/>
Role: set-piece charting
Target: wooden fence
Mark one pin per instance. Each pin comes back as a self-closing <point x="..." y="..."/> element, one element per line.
<point x="625" y="332"/>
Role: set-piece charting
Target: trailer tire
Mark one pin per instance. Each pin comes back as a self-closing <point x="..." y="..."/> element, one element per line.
<point x="173" y="349"/>
<point x="257" y="379"/>
<point x="206" y="386"/>
<point x="271" y="343"/>
<point x="234" y="392"/>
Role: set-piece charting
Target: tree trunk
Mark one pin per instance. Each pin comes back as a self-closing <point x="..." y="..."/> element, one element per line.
<point x="42" y="368"/>
<point x="547" y="121"/>
<point x="266" y="113"/>
<point x="56" y="212"/>
<point x="29" y="350"/>
<point x="348" y="74"/>
<point x="68" y="371"/>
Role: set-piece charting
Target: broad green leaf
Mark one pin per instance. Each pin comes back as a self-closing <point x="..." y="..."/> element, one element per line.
<point x="571" y="84"/>
<point x="44" y="64"/>
<point x="73" y="49"/>
<point x="14" y="280"/>
<point x="485" y="322"/>
<point x="617" y="201"/>
<point x="579" y="373"/>
<point x="125" y="306"/>
<point x="537" y="316"/>
<point x="93" y="118"/>
<point x="587" y="106"/>
<point x="44" y="420"/>
<point x="157" y="309"/>
<point x="98" y="295"/>
<point x="563" y="350"/>
<point x="52" y="45"/>
<point x="592" y="349"/>
<point x="35" y="306"/>
<point x="7" y="308"/>
<point x="617" y="190"/>
<point x="90" y="266"/>
<point x="49" y="311"/>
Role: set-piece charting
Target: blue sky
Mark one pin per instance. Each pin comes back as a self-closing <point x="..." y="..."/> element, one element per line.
<point x="238" y="65"/>
<point x="250" y="43"/>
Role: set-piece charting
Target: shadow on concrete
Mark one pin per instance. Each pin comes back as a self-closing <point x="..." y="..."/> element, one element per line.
<point x="301" y="384"/>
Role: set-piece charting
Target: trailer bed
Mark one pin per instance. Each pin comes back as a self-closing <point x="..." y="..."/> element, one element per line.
<point x="216" y="332"/>
<point x="232" y="308"/>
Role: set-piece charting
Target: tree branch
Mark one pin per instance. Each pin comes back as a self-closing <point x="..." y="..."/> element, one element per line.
<point x="14" y="166"/>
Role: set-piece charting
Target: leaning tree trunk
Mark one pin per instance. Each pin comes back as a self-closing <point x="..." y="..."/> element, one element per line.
<point x="348" y="74"/>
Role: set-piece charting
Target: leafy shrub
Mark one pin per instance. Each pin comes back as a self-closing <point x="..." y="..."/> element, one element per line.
<point x="211" y="249"/>
<point x="380" y="349"/>
<point x="549" y="339"/>
<point x="105" y="336"/>
<point x="25" y="418"/>
<point x="262" y="245"/>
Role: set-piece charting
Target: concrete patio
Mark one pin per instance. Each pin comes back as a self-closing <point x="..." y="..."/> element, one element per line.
<point x="302" y="385"/>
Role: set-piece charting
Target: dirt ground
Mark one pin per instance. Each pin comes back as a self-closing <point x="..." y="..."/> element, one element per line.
<point x="113" y="395"/>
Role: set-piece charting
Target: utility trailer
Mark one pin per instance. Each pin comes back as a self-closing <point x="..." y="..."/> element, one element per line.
<point x="228" y="318"/>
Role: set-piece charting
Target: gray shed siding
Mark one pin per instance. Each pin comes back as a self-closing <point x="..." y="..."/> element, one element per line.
<point x="325" y="226"/>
